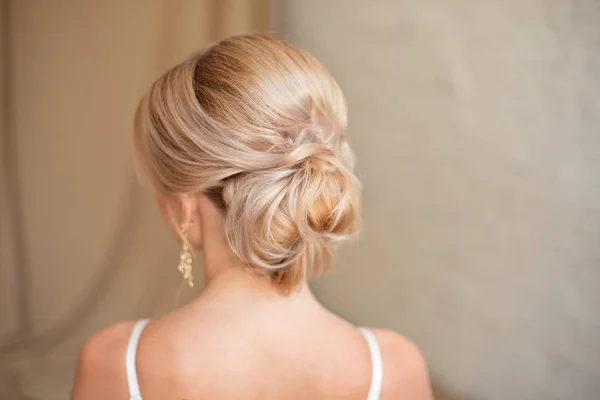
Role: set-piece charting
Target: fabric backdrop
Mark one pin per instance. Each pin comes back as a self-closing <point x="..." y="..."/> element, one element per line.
<point x="477" y="131"/>
<point x="82" y="245"/>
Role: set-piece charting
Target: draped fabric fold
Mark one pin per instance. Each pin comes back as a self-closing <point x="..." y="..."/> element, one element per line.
<point x="81" y="245"/>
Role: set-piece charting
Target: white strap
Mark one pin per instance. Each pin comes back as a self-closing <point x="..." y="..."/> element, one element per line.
<point x="376" y="364"/>
<point x="132" y="379"/>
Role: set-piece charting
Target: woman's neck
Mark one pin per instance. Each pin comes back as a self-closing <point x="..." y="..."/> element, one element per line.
<point x="226" y="276"/>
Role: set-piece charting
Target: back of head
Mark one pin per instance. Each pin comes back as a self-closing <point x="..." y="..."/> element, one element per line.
<point x="258" y="125"/>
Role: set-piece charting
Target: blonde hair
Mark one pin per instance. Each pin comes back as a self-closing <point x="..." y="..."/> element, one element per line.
<point x="258" y="125"/>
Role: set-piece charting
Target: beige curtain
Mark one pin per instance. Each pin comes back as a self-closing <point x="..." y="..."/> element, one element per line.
<point x="82" y="246"/>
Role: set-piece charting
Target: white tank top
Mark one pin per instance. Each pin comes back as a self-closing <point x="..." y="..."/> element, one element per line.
<point x="134" y="387"/>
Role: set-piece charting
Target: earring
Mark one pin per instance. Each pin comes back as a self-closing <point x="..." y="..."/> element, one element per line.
<point x="185" y="260"/>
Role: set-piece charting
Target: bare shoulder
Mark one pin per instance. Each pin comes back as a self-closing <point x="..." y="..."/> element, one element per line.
<point x="100" y="370"/>
<point x="405" y="368"/>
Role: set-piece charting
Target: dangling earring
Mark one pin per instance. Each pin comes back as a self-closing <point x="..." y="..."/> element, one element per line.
<point x="185" y="259"/>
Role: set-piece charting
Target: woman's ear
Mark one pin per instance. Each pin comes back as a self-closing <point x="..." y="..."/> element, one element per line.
<point x="191" y="221"/>
<point x="170" y="213"/>
<point x="187" y="208"/>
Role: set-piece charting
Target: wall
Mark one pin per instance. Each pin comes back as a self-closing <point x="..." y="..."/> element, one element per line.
<point x="476" y="126"/>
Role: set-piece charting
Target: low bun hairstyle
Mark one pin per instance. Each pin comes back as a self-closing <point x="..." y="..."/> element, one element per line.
<point x="258" y="125"/>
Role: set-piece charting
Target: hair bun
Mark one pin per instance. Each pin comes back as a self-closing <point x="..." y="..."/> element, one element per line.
<point x="288" y="219"/>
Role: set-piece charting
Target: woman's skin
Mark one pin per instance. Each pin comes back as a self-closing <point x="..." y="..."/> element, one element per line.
<point x="241" y="338"/>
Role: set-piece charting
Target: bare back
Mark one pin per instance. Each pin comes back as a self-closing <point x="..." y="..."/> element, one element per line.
<point x="263" y="351"/>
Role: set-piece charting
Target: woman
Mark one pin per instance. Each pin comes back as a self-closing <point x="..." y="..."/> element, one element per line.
<point x="244" y="146"/>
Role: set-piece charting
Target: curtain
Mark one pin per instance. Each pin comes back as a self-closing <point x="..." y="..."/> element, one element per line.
<point x="81" y="244"/>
